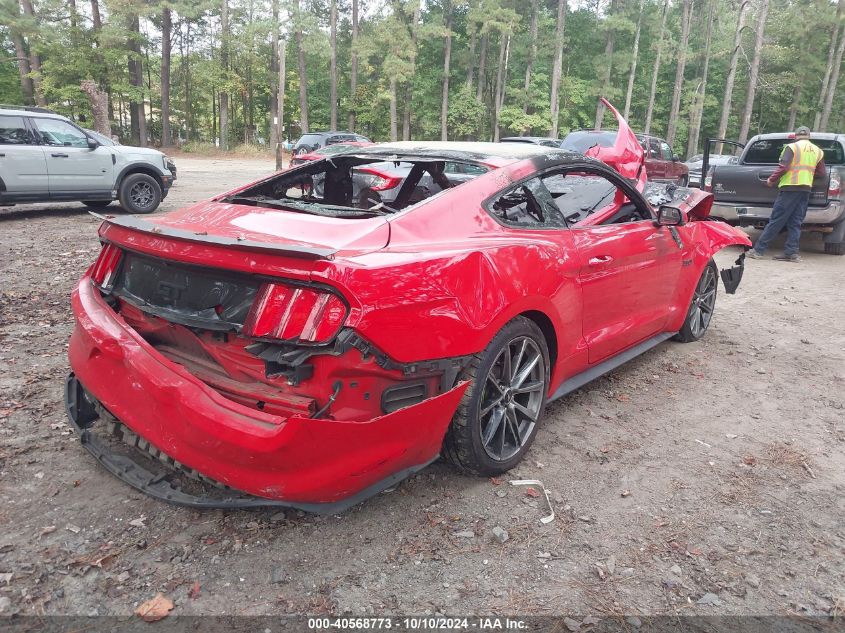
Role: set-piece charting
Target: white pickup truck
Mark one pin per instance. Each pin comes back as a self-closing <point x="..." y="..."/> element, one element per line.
<point x="743" y="198"/>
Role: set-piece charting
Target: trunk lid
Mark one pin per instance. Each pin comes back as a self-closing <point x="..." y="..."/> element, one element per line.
<point x="747" y="184"/>
<point x="270" y="230"/>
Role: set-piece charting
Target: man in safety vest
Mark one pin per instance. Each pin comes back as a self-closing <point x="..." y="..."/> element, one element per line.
<point x="800" y="162"/>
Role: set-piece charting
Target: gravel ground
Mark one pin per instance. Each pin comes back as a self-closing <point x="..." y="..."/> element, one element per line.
<point x="698" y="479"/>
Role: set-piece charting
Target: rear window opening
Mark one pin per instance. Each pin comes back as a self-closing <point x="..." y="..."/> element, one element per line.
<point x="768" y="151"/>
<point x="357" y="186"/>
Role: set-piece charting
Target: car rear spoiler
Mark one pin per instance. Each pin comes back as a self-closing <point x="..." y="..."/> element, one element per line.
<point x="135" y="223"/>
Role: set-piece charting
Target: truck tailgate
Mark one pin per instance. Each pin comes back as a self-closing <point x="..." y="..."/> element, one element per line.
<point x="746" y="184"/>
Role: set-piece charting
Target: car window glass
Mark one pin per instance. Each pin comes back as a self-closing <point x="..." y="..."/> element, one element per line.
<point x="518" y="207"/>
<point x="666" y="151"/>
<point x="768" y="151"/>
<point x="653" y="148"/>
<point x="13" y="131"/>
<point x="580" y="194"/>
<point x="60" y="133"/>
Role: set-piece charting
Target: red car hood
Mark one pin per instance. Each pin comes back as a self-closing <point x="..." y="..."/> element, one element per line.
<point x="626" y="156"/>
<point x="247" y="225"/>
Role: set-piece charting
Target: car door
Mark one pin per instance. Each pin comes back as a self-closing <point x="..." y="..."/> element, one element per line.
<point x="23" y="168"/>
<point x="654" y="163"/>
<point x="673" y="170"/>
<point x="73" y="167"/>
<point x="629" y="268"/>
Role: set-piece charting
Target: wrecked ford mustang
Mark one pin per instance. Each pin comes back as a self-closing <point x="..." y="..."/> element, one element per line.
<point x="295" y="343"/>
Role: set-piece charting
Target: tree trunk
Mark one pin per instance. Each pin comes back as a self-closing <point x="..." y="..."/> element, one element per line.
<point x="275" y="122"/>
<point x="654" y="75"/>
<point x="353" y="66"/>
<point x="482" y="67"/>
<point x="831" y="89"/>
<point x="634" y="55"/>
<point x="34" y="58"/>
<point x="701" y="92"/>
<point x="99" y="106"/>
<point x="499" y="93"/>
<point x="187" y="66"/>
<point x="829" y="69"/>
<point x="333" y="64"/>
<point x="224" y="63"/>
<point x="409" y="88"/>
<point x="729" y="84"/>
<point x="686" y="19"/>
<point x="281" y="97"/>
<point x="137" y="110"/>
<point x="394" y="131"/>
<point x="532" y="54"/>
<point x="166" y="139"/>
<point x="608" y="55"/>
<point x="447" y="59"/>
<point x="755" y="71"/>
<point x="303" y="77"/>
<point x="557" y="69"/>
<point x="27" y="89"/>
<point x="793" y="110"/>
<point x="471" y="60"/>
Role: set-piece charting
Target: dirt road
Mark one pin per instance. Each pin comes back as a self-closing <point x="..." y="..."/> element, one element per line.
<point x="699" y="479"/>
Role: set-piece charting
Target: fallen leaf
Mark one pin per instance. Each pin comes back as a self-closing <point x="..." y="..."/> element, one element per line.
<point x="695" y="551"/>
<point x="532" y="492"/>
<point x="623" y="397"/>
<point x="495" y="481"/>
<point x="139" y="522"/>
<point x="194" y="593"/>
<point x="626" y="493"/>
<point x="47" y="530"/>
<point x="154" y="609"/>
<point x="749" y="460"/>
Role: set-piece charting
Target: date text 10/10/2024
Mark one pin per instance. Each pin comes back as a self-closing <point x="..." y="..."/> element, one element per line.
<point x="422" y="623"/>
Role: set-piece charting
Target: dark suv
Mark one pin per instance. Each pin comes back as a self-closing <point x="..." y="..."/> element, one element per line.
<point x="315" y="140"/>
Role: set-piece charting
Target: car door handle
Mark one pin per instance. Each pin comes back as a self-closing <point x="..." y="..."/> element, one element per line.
<point x="59" y="155"/>
<point x="764" y="175"/>
<point x="604" y="259"/>
<point x="2" y="155"/>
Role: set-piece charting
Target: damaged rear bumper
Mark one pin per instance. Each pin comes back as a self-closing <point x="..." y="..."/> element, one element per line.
<point x="314" y="464"/>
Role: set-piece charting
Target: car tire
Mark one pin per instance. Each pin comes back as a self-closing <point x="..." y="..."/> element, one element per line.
<point x="97" y="204"/>
<point x="700" y="310"/>
<point x="684" y="181"/>
<point x="834" y="248"/>
<point x="140" y="193"/>
<point x="493" y="428"/>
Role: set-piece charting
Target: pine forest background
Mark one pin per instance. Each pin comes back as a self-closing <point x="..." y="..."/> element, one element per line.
<point x="187" y="72"/>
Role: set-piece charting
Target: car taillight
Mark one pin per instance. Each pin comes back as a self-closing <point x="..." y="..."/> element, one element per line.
<point x="708" y="181"/>
<point x="834" y="189"/>
<point x="292" y="313"/>
<point x="103" y="272"/>
<point x="378" y="181"/>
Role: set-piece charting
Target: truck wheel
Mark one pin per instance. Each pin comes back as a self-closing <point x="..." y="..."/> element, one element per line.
<point x="140" y="193"/>
<point x="497" y="419"/>
<point x="837" y="248"/>
<point x="684" y="181"/>
<point x="701" y="307"/>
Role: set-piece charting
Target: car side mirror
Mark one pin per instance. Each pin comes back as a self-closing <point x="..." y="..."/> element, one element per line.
<point x="92" y="144"/>
<point x="675" y="158"/>
<point x="669" y="216"/>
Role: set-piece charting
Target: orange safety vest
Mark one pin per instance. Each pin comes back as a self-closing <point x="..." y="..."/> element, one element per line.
<point x="805" y="157"/>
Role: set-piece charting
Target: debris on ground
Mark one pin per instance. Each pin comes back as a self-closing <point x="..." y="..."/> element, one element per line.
<point x="155" y="608"/>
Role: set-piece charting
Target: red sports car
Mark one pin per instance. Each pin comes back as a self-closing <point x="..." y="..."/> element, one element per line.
<point x="276" y="346"/>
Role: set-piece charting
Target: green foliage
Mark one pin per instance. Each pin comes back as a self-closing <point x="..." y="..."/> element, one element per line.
<point x="393" y="47"/>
